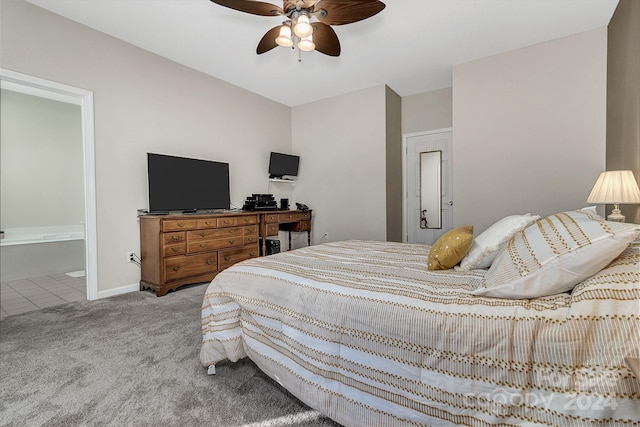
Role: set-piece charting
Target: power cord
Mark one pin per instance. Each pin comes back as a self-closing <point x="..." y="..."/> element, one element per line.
<point x="324" y="236"/>
<point x="135" y="259"/>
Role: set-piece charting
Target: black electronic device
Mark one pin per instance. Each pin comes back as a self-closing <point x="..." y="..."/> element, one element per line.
<point x="272" y="246"/>
<point x="281" y="165"/>
<point x="260" y="202"/>
<point x="284" y="204"/>
<point x="302" y="207"/>
<point x="185" y="184"/>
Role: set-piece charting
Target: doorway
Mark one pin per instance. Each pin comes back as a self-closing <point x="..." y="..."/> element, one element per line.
<point x="30" y="85"/>
<point x="413" y="145"/>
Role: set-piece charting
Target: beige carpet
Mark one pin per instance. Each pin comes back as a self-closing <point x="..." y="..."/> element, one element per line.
<point x="131" y="360"/>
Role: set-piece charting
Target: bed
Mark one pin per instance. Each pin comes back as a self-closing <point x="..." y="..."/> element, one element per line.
<point x="365" y="333"/>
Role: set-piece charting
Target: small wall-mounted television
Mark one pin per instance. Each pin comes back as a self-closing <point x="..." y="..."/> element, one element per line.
<point x="184" y="184"/>
<point x="283" y="165"/>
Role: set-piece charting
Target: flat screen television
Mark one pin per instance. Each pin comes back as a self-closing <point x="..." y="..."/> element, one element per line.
<point x="184" y="184"/>
<point x="283" y="165"/>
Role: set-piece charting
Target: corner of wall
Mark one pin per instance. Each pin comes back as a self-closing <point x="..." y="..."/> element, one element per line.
<point x="393" y="118"/>
<point x="623" y="95"/>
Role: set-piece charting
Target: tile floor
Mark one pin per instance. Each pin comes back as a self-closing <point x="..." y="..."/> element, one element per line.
<point x="23" y="295"/>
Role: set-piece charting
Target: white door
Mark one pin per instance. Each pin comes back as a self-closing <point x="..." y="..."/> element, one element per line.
<point x="415" y="144"/>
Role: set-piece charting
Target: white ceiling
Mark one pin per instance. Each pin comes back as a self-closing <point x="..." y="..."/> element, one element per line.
<point x="411" y="45"/>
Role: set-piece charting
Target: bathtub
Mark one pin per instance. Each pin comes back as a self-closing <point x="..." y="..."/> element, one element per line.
<point x="41" y="251"/>
<point x="30" y="235"/>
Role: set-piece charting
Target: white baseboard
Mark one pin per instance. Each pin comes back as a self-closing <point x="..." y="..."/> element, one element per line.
<point x="119" y="291"/>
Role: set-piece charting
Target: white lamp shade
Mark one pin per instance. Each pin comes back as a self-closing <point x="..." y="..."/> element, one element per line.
<point x="614" y="187"/>
<point x="284" y="38"/>
<point x="303" y="28"/>
<point x="306" y="44"/>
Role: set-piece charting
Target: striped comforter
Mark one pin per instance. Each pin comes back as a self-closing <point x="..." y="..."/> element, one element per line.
<point x="362" y="332"/>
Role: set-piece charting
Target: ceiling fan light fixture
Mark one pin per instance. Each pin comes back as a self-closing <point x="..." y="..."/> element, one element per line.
<point x="284" y="38"/>
<point x="302" y="27"/>
<point x="306" y="44"/>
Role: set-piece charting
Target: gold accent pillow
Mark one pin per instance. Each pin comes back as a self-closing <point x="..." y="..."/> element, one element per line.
<point x="554" y="254"/>
<point x="450" y="248"/>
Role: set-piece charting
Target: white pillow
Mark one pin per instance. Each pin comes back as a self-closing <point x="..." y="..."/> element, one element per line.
<point x="591" y="210"/>
<point x="555" y="254"/>
<point x="486" y="246"/>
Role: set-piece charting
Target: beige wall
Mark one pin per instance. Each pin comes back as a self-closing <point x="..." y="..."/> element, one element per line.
<point x="529" y="129"/>
<point x="427" y="111"/>
<point x="623" y="96"/>
<point x="342" y="145"/>
<point x="41" y="178"/>
<point x="142" y="103"/>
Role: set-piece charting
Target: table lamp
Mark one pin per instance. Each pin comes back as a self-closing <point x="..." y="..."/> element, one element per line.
<point x="615" y="187"/>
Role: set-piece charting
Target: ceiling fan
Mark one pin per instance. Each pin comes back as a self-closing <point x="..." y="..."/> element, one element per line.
<point x="298" y="29"/>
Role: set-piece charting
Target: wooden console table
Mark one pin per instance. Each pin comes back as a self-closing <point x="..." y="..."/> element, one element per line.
<point x="178" y="250"/>
<point x="273" y="221"/>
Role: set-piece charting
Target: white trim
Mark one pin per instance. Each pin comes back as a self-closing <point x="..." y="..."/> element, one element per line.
<point x="118" y="291"/>
<point x="60" y="92"/>
<point x="39" y="92"/>
<point x="406" y="136"/>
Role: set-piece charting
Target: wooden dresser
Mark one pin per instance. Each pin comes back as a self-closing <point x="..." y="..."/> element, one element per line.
<point x="178" y="250"/>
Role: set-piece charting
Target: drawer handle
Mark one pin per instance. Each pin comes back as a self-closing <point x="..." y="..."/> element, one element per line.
<point x="246" y="219"/>
<point x="227" y="258"/>
<point x="225" y="221"/>
<point x="181" y="224"/>
<point x="232" y="231"/>
<point x="175" y="238"/>
<point x="176" y="268"/>
<point x="252" y="253"/>
<point x="203" y="245"/>
<point x="209" y="261"/>
<point x="202" y="234"/>
<point x="207" y="223"/>
<point x="175" y="249"/>
<point x="249" y="239"/>
<point x="231" y="241"/>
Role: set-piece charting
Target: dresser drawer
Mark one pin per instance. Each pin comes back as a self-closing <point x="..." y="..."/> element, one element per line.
<point x="214" y="233"/>
<point x="272" y="229"/>
<point x="288" y="217"/>
<point x="178" y="224"/>
<point x="237" y="220"/>
<point x="268" y="218"/>
<point x="227" y="222"/>
<point x="304" y="216"/>
<point x="247" y="220"/>
<point x="173" y="250"/>
<point x="301" y="226"/>
<point x="228" y="257"/>
<point x="206" y="223"/>
<point x="250" y="239"/>
<point x="173" y="238"/>
<point x="190" y="265"/>
<point x="214" y="244"/>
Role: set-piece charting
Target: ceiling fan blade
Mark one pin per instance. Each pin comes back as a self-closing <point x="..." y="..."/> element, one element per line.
<point x="268" y="41"/>
<point x="340" y="12"/>
<point x="325" y="39"/>
<point x="254" y="7"/>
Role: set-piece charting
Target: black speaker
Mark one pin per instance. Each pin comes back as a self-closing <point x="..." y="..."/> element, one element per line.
<point x="284" y="204"/>
<point x="272" y="246"/>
